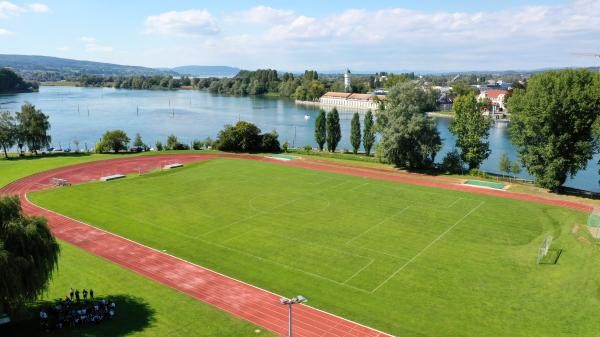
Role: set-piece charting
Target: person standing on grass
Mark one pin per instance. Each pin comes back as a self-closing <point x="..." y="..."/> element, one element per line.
<point x="71" y="294"/>
<point x="77" y="295"/>
<point x="85" y="294"/>
<point x="91" y="294"/>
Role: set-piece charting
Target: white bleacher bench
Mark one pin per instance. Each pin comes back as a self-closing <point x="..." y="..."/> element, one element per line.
<point x="60" y="182"/>
<point x="112" y="177"/>
<point x="172" y="166"/>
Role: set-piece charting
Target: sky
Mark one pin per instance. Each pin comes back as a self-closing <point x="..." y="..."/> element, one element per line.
<point x="383" y="35"/>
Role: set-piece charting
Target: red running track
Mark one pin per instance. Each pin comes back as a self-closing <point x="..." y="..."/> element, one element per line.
<point x="243" y="300"/>
<point x="253" y="304"/>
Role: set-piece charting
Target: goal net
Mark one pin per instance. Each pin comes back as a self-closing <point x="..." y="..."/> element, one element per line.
<point x="544" y="248"/>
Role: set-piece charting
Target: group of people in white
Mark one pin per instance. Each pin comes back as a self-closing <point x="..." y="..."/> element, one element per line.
<point x="73" y="310"/>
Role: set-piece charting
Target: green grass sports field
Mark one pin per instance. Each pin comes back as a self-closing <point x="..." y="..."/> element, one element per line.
<point x="410" y="260"/>
<point x="146" y="308"/>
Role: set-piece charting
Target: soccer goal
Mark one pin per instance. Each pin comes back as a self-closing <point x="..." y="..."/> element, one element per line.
<point x="594" y="223"/>
<point x="544" y="248"/>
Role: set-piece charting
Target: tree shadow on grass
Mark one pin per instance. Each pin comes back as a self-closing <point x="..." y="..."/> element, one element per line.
<point x="133" y="314"/>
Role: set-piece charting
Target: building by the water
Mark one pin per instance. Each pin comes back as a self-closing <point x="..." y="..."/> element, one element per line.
<point x="353" y="101"/>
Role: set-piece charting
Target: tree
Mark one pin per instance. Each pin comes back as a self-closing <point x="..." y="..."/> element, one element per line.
<point x="462" y="89"/>
<point x="243" y="137"/>
<point x="11" y="82"/>
<point x="115" y="140"/>
<point x="515" y="169"/>
<point x="368" y="133"/>
<point x="504" y="164"/>
<point x="159" y="145"/>
<point x="355" y="132"/>
<point x="471" y="129"/>
<point x="137" y="141"/>
<point x="321" y="129"/>
<point x="172" y="142"/>
<point x="334" y="132"/>
<point x="7" y="131"/>
<point x="28" y="255"/>
<point x="552" y="124"/>
<point x="408" y="137"/>
<point x="452" y="162"/>
<point x="34" y="126"/>
<point x="270" y="142"/>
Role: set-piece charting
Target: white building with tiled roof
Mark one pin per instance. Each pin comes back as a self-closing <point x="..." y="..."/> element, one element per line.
<point x="352" y="101"/>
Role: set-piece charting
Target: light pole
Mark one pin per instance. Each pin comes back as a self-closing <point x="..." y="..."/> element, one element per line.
<point x="289" y="302"/>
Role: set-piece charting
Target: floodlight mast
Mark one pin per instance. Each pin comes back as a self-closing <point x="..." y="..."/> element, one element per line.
<point x="289" y="302"/>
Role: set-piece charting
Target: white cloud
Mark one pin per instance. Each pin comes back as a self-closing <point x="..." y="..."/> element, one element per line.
<point x="5" y="32"/>
<point x="38" y="8"/>
<point x="517" y="37"/>
<point x="184" y="23"/>
<point x="63" y="48"/>
<point x="264" y="15"/>
<point x="8" y="9"/>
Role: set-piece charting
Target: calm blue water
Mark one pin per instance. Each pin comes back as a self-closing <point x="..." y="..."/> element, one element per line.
<point x="85" y="113"/>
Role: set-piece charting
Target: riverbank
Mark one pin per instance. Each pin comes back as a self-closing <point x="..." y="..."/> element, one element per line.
<point x="442" y="114"/>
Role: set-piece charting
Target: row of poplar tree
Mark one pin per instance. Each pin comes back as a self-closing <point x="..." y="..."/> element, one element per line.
<point x="328" y="131"/>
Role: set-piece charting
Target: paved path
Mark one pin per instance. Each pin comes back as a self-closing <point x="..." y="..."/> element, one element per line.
<point x="253" y="304"/>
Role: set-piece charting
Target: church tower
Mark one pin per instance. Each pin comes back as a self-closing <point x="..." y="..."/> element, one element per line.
<point x="347" y="81"/>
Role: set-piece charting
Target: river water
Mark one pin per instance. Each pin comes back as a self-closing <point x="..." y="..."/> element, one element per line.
<point x="85" y="113"/>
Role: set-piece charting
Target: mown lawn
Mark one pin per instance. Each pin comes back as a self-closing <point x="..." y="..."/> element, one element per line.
<point x="146" y="308"/>
<point x="410" y="260"/>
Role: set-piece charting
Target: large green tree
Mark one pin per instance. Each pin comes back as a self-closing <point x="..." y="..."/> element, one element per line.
<point x="7" y="131"/>
<point x="368" y="132"/>
<point x="321" y="129"/>
<point x="246" y="137"/>
<point x="409" y="138"/>
<point x="115" y="140"/>
<point x="462" y="89"/>
<point x="34" y="126"/>
<point x="28" y="255"/>
<point x="471" y="129"/>
<point x="355" y="132"/>
<point x="334" y="132"/>
<point x="552" y="124"/>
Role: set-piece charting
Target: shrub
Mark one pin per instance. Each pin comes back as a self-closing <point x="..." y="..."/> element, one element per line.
<point x="285" y="146"/>
<point x="270" y="142"/>
<point x="159" y="145"/>
<point x="307" y="148"/>
<point x="174" y="144"/>
<point x="115" y="140"/>
<point x="452" y="162"/>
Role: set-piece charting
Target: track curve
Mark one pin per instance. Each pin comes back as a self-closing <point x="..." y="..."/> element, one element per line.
<point x="243" y="300"/>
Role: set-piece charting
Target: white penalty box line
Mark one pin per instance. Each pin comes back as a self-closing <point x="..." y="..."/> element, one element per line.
<point x="426" y="247"/>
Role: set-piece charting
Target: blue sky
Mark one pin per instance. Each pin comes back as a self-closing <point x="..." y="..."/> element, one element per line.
<point x="295" y="35"/>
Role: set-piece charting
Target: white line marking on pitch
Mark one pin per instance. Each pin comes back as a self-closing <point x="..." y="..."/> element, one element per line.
<point x="378" y="224"/>
<point x="426" y="247"/>
<point x="454" y="203"/>
<point x="359" y="271"/>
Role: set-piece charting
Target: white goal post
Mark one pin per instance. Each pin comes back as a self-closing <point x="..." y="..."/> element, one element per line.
<point x="544" y="248"/>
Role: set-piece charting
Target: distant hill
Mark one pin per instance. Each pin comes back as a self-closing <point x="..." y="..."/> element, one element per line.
<point x="207" y="71"/>
<point x="43" y="68"/>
